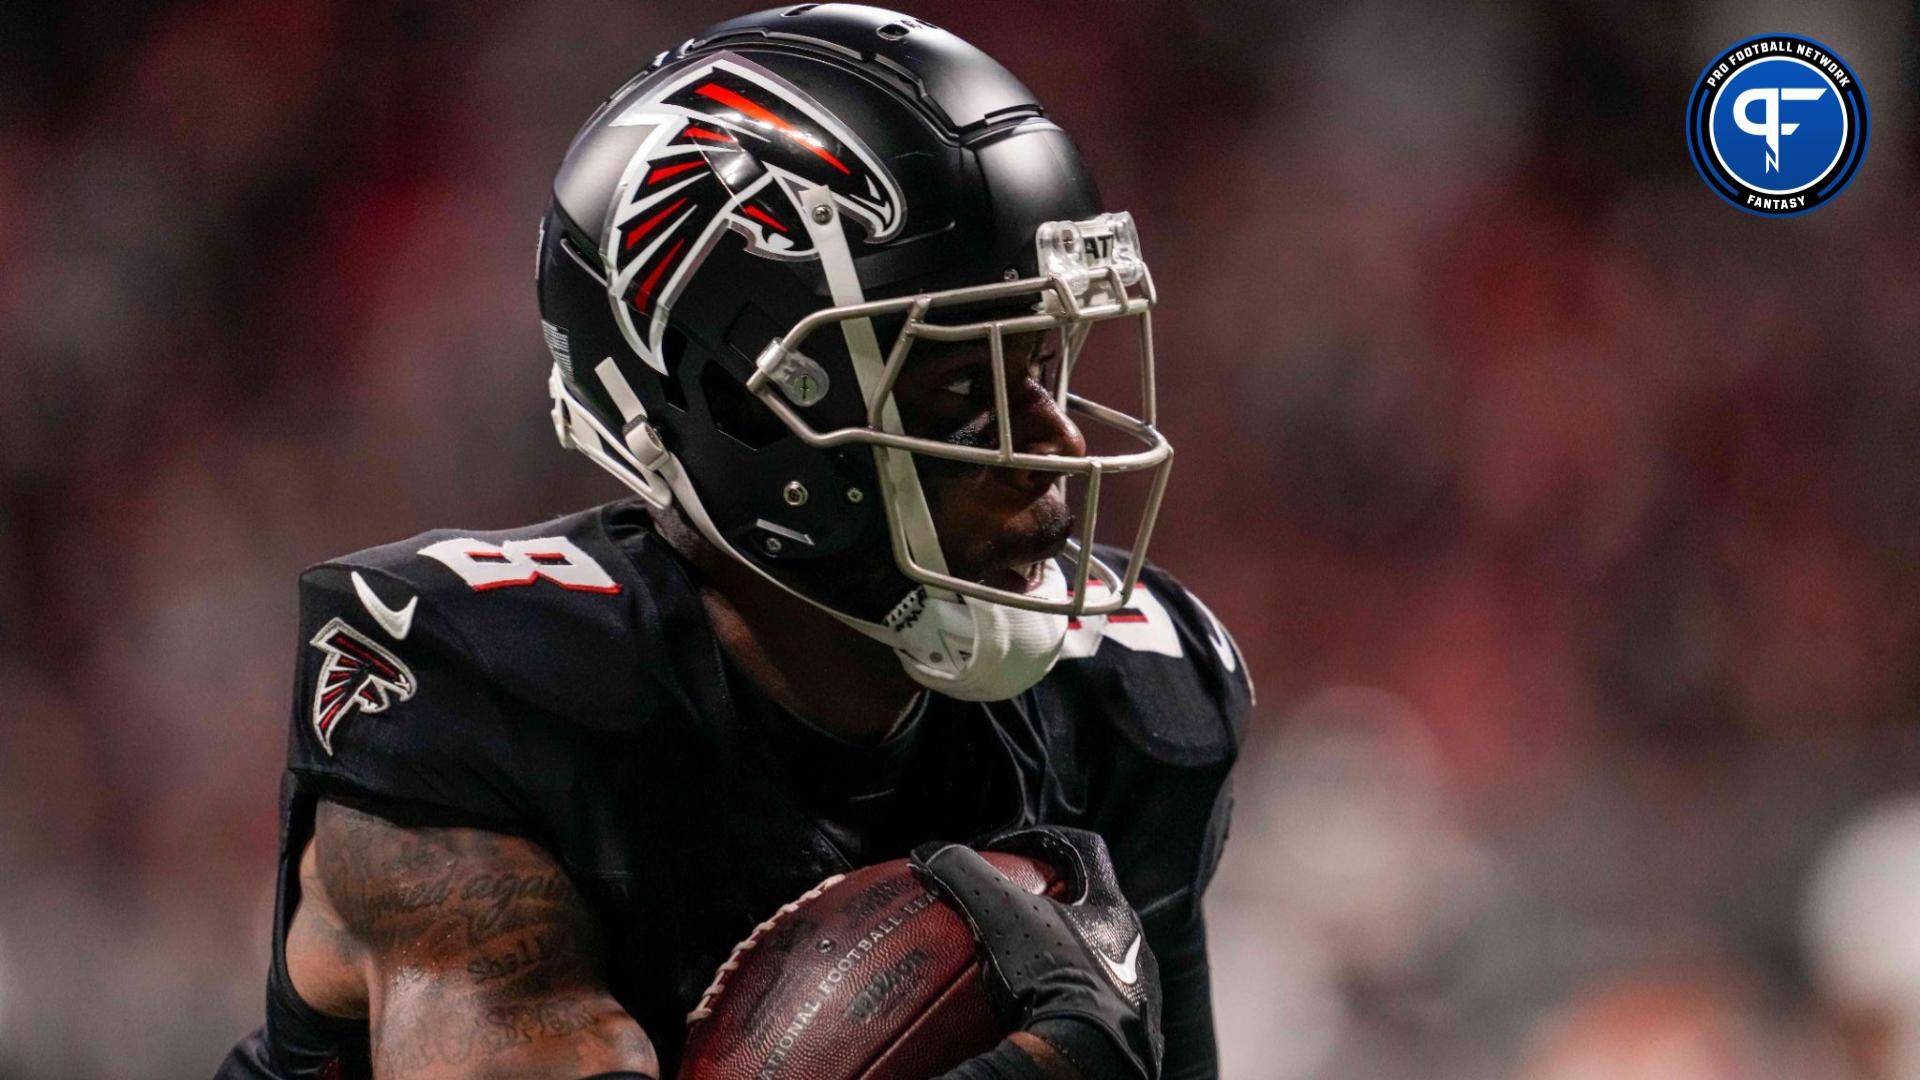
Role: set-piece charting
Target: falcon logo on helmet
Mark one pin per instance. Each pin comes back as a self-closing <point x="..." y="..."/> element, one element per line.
<point x="357" y="674"/>
<point x="729" y="146"/>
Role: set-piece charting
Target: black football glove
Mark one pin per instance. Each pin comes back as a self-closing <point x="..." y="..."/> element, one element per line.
<point x="1083" y="958"/>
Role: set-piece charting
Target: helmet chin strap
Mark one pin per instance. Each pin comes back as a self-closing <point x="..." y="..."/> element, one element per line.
<point x="996" y="651"/>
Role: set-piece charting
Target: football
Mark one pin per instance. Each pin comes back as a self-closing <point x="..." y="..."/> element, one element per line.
<point x="868" y="976"/>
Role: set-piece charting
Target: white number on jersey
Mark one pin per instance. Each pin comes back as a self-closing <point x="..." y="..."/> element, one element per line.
<point x="522" y="562"/>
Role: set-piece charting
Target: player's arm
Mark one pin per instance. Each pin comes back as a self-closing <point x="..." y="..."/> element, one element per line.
<point x="478" y="956"/>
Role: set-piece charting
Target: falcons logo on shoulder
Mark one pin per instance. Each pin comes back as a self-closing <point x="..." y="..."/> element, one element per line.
<point x="357" y="674"/>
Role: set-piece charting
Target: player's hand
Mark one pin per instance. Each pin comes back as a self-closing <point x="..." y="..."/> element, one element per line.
<point x="1082" y="958"/>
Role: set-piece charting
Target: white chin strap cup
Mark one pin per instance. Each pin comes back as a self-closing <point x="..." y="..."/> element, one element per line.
<point x="977" y="650"/>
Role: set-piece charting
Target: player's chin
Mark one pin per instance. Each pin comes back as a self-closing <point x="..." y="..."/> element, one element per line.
<point x="1013" y="556"/>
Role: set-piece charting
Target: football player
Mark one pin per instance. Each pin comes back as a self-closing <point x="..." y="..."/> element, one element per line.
<point x="815" y="284"/>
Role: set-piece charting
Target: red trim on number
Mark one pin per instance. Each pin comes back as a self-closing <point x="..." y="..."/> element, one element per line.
<point x="537" y="576"/>
<point x="647" y="225"/>
<point x="507" y="583"/>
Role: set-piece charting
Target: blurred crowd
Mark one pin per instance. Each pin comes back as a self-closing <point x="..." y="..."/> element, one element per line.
<point x="1569" y="518"/>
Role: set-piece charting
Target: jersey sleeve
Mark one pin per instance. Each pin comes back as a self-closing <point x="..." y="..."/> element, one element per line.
<point x="1189" y="724"/>
<point x="1213" y="659"/>
<point x="1155" y="699"/>
<point x="472" y="676"/>
<point x="1217" y="662"/>
<point x="1164" y="670"/>
<point x="404" y="718"/>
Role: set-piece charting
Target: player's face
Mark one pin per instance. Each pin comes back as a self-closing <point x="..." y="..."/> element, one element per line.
<point x="996" y="525"/>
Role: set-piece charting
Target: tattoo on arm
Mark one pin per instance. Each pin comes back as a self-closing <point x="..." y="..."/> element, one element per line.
<point x="481" y="958"/>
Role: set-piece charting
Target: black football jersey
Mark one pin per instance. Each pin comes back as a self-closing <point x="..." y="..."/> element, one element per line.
<point x="561" y="682"/>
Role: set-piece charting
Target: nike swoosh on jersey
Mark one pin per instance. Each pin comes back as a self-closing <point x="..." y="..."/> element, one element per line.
<point x="1223" y="646"/>
<point x="397" y="622"/>
<point x="1128" y="970"/>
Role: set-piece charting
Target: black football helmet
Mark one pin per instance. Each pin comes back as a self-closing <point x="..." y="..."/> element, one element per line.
<point x="744" y="243"/>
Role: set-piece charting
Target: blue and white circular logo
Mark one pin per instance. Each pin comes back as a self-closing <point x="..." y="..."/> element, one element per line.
<point x="1777" y="124"/>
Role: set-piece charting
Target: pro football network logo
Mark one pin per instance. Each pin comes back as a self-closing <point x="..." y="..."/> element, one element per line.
<point x="1777" y="124"/>
<point x="357" y="674"/>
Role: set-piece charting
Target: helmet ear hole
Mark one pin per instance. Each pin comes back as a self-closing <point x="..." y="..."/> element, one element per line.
<point x="736" y="412"/>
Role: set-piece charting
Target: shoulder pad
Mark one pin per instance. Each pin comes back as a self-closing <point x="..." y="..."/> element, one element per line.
<point x="454" y="669"/>
<point x="543" y="616"/>
<point x="1164" y="669"/>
